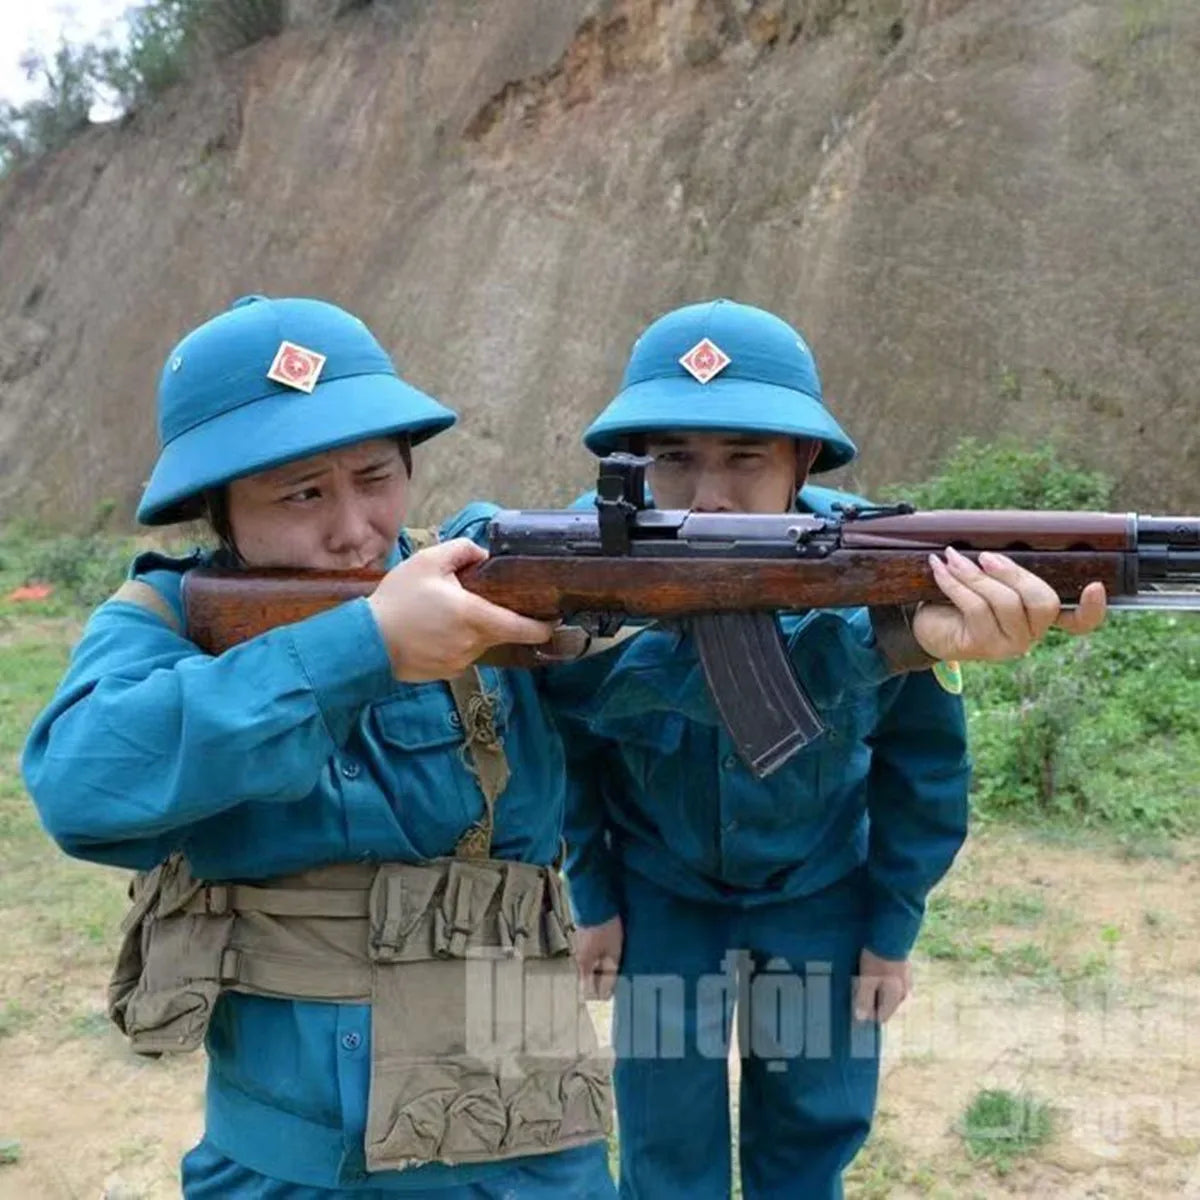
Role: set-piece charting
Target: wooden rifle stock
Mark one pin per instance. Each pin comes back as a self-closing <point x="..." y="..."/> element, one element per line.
<point x="226" y="607"/>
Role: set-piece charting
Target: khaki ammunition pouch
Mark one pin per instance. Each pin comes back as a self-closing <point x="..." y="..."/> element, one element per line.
<point x="481" y="1045"/>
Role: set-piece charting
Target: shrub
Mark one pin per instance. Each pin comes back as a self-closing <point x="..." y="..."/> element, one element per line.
<point x="168" y="37"/>
<point x="68" y="83"/>
<point x="1007" y="474"/>
<point x="1102" y="730"/>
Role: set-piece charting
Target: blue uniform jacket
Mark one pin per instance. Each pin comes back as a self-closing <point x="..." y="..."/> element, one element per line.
<point x="669" y="798"/>
<point x="293" y="750"/>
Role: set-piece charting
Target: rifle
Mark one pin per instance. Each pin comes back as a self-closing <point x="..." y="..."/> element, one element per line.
<point x="726" y="574"/>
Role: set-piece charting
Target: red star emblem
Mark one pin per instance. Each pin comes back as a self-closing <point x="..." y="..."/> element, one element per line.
<point x="705" y="360"/>
<point x="296" y="367"/>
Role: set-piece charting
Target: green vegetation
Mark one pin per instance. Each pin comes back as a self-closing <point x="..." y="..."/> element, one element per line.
<point x="1000" y="1126"/>
<point x="976" y="933"/>
<point x="45" y="898"/>
<point x="167" y="40"/>
<point x="956" y="929"/>
<point x="1007" y="474"/>
<point x="1101" y="731"/>
<point x="83" y="569"/>
<point x="68" y="89"/>
<point x="1097" y="732"/>
<point x="13" y="1018"/>
<point x="883" y="1167"/>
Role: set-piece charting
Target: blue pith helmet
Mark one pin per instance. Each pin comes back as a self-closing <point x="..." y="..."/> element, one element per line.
<point x="770" y="384"/>
<point x="223" y="412"/>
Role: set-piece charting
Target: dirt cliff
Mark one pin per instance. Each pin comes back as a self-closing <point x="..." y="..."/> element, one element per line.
<point x="981" y="213"/>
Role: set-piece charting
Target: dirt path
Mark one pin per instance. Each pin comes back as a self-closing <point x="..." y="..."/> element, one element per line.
<point x="1071" y="972"/>
<point x="1087" y="993"/>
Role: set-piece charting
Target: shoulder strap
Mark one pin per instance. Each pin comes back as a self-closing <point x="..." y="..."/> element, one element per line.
<point x="477" y="713"/>
<point x="421" y="539"/>
<point x="134" y="591"/>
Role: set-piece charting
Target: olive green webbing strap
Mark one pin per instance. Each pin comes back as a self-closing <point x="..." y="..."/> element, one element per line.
<point x="134" y="591"/>
<point x="477" y="714"/>
<point x="477" y="717"/>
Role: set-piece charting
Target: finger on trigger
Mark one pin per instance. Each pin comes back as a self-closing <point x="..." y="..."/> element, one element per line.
<point x="497" y="625"/>
<point x="513" y="627"/>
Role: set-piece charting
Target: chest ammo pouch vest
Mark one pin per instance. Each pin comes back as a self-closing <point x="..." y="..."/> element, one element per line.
<point x="482" y="1047"/>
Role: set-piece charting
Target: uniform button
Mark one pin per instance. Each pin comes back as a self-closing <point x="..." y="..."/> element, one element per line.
<point x="731" y="827"/>
<point x="455" y="720"/>
<point x="730" y="762"/>
<point x="351" y="1040"/>
<point x="350" y="770"/>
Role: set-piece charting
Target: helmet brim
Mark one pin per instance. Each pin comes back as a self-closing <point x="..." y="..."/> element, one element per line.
<point x="735" y="405"/>
<point x="282" y="428"/>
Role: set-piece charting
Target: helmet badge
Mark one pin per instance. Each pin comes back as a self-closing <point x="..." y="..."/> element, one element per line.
<point x="705" y="360"/>
<point x="296" y="367"/>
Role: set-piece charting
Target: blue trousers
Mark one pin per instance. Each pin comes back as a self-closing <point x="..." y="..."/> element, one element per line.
<point x="810" y="1073"/>
<point x="581" y="1174"/>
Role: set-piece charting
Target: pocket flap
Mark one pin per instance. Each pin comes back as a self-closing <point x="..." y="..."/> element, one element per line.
<point x="424" y="715"/>
<point x="400" y="899"/>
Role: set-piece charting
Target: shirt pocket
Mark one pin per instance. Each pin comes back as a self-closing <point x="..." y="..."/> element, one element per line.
<point x="649" y="747"/>
<point x="424" y="751"/>
<point x="661" y="731"/>
<point x="828" y="772"/>
<point x="424" y="716"/>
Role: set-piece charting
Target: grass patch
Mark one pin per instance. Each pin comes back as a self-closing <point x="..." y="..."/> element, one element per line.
<point x="13" y="1018"/>
<point x="954" y="927"/>
<point x="883" y="1166"/>
<point x="89" y="1025"/>
<point x="10" y="1153"/>
<point x="29" y="673"/>
<point x="976" y="933"/>
<point x="1146" y="38"/>
<point x="1000" y="1126"/>
<point x="46" y="898"/>
<point x="82" y="569"/>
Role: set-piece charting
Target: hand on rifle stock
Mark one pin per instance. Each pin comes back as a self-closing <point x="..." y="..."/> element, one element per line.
<point x="997" y="610"/>
<point x="432" y="626"/>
